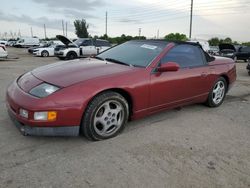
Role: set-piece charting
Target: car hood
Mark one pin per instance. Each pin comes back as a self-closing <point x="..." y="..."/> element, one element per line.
<point x="65" y="40"/>
<point x="226" y="47"/>
<point x="64" y="74"/>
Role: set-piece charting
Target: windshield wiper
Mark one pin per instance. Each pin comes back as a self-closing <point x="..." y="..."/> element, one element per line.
<point x="117" y="61"/>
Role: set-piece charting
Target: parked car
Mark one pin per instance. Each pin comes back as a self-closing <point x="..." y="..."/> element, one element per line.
<point x="11" y="42"/>
<point x="27" y="42"/>
<point x="248" y="66"/>
<point x="46" y="51"/>
<point x="3" y="51"/>
<point x="82" y="47"/>
<point x="227" y="50"/>
<point x="41" y="45"/>
<point x="3" y="42"/>
<point x="214" y="50"/>
<point x="203" y="43"/>
<point x="97" y="96"/>
<point x="243" y="53"/>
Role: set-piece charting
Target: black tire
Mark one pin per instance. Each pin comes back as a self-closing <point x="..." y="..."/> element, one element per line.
<point x="88" y="128"/>
<point x="61" y="58"/>
<point x="71" y="55"/>
<point x="45" y="53"/>
<point x="210" y="102"/>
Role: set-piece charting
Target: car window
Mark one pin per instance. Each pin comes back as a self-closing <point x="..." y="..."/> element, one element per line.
<point x="87" y="43"/>
<point x="137" y="53"/>
<point x="246" y="49"/>
<point x="185" y="55"/>
<point x="100" y="43"/>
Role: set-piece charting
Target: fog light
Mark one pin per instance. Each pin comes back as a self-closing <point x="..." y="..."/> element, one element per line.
<point x="45" y="116"/>
<point x="23" y="113"/>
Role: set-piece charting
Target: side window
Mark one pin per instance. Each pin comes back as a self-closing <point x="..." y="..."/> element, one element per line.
<point x="185" y="55"/>
<point x="100" y="43"/>
<point x="246" y="49"/>
<point x="86" y="43"/>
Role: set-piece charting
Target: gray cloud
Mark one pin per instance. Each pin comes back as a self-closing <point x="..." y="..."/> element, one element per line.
<point x="80" y="5"/>
<point x="127" y="20"/>
<point x="52" y="24"/>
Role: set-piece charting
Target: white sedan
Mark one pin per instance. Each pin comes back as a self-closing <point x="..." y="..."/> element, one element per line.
<point x="46" y="51"/>
<point x="3" y="51"/>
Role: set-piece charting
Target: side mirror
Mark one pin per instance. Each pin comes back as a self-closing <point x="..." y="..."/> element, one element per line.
<point x="169" y="66"/>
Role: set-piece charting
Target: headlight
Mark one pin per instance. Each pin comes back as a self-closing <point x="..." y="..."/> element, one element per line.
<point x="43" y="90"/>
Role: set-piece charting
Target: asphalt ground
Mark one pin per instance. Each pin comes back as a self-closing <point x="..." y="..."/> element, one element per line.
<point x="194" y="146"/>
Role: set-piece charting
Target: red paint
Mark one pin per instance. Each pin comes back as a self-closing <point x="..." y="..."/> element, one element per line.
<point x="81" y="80"/>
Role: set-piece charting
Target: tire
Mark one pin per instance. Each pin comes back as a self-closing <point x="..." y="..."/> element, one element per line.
<point x="105" y="117"/>
<point x="217" y="93"/>
<point x="61" y="58"/>
<point x="71" y="55"/>
<point x="45" y="53"/>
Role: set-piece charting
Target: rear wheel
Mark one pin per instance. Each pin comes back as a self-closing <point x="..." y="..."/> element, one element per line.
<point x="105" y="116"/>
<point x="45" y="53"/>
<point x="217" y="94"/>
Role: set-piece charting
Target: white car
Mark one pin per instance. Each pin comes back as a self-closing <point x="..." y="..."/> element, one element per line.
<point x="3" y="51"/>
<point x="46" y="51"/>
<point x="82" y="47"/>
<point x="3" y="42"/>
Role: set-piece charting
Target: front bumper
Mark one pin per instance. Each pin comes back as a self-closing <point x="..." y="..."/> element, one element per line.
<point x="43" y="131"/>
<point x="67" y="123"/>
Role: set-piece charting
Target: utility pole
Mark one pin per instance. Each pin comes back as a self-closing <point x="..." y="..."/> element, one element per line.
<point x="45" y="35"/>
<point x="63" y="26"/>
<point x="106" y="24"/>
<point x="158" y="33"/>
<point x="66" y="29"/>
<point x="191" y="20"/>
<point x="139" y="33"/>
<point x="31" y="31"/>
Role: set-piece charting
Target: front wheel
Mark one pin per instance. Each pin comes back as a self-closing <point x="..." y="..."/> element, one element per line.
<point x="217" y="94"/>
<point x="45" y="53"/>
<point x="105" y="116"/>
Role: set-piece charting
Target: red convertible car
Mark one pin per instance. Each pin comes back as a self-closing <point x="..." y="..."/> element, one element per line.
<point x="97" y="96"/>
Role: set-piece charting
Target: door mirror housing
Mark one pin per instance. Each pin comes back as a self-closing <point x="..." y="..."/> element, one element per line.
<point x="168" y="67"/>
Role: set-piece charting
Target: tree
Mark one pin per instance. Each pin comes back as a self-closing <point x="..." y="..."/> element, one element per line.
<point x="81" y="28"/>
<point x="214" y="41"/>
<point x="228" y="40"/>
<point x="176" y="37"/>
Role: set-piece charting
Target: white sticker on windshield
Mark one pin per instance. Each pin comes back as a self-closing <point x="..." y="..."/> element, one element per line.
<point x="151" y="47"/>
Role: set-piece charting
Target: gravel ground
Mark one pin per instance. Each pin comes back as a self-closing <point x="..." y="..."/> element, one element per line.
<point x="192" y="147"/>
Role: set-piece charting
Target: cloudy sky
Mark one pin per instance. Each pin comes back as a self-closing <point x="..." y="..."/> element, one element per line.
<point x="221" y="18"/>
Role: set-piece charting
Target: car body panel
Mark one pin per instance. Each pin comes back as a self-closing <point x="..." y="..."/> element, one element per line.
<point x="3" y="51"/>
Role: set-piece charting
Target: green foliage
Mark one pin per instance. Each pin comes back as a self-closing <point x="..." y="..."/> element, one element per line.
<point x="123" y="38"/>
<point x="81" y="28"/>
<point x="216" y="41"/>
<point x="246" y="43"/>
<point x="176" y="37"/>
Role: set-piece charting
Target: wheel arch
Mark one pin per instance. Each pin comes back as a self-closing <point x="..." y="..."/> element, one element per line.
<point x="120" y="91"/>
<point x="227" y="80"/>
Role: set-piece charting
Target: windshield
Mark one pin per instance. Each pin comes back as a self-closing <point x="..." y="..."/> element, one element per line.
<point x="78" y="42"/>
<point x="135" y="53"/>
